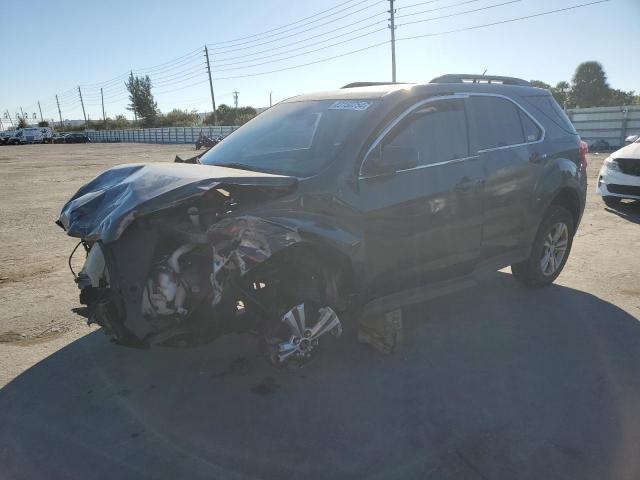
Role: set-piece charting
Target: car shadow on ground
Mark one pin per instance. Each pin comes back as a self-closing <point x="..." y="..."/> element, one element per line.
<point x="494" y="382"/>
<point x="628" y="210"/>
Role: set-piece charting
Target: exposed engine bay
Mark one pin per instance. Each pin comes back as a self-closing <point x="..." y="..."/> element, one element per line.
<point x="161" y="271"/>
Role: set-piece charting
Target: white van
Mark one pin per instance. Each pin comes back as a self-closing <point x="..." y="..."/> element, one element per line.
<point x="32" y="135"/>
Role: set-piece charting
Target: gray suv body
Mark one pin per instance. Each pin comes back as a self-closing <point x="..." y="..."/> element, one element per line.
<point x="366" y="197"/>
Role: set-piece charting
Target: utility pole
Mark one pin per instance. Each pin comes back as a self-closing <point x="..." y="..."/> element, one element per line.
<point x="235" y="99"/>
<point x="82" y="103"/>
<point x="270" y="101"/>
<point x="392" y="26"/>
<point x="133" y="104"/>
<point x="213" y="100"/>
<point x="40" y="108"/>
<point x="59" y="112"/>
<point x="104" y="117"/>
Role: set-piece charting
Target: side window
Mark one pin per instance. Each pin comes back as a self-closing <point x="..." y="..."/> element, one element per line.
<point x="438" y="131"/>
<point x="497" y="122"/>
<point x="531" y="130"/>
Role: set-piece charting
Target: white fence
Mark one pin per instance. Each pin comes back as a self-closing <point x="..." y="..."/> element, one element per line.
<point x="611" y="124"/>
<point x="157" y="135"/>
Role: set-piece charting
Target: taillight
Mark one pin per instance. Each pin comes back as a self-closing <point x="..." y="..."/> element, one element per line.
<point x="584" y="149"/>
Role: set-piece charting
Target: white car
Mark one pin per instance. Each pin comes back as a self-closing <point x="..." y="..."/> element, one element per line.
<point x="620" y="175"/>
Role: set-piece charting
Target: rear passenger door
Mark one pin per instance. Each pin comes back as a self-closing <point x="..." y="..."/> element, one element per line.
<point x="423" y="223"/>
<point x="506" y="139"/>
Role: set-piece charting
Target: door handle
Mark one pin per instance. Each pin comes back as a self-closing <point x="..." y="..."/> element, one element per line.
<point x="537" y="158"/>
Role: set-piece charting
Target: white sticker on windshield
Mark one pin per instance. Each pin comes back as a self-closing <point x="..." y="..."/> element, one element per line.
<point x="357" y="105"/>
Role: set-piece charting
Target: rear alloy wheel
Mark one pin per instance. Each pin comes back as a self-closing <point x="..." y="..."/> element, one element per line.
<point x="611" y="202"/>
<point x="550" y="249"/>
<point x="555" y="248"/>
<point x="295" y="338"/>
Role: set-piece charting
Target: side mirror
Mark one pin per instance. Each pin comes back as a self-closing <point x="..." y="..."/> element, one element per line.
<point x="392" y="158"/>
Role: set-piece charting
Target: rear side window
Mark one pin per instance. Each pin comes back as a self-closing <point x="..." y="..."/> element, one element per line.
<point x="531" y="131"/>
<point x="547" y="105"/>
<point x="437" y="130"/>
<point x="497" y="122"/>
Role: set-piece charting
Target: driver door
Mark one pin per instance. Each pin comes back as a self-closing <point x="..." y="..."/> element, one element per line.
<point x="422" y="222"/>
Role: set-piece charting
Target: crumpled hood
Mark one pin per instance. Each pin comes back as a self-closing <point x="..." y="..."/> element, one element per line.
<point x="104" y="207"/>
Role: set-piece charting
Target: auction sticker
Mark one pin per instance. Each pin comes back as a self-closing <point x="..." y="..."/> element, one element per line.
<point x="357" y="105"/>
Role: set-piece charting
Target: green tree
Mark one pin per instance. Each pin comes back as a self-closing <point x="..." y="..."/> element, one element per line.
<point x="620" y="97"/>
<point x="22" y="123"/>
<point x="43" y="123"/>
<point x="231" y="116"/>
<point x="561" y="92"/>
<point x="142" y="102"/>
<point x="540" y="84"/>
<point x="178" y="118"/>
<point x="589" y="86"/>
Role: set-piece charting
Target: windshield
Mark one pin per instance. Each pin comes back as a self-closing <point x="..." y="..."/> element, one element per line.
<point x="295" y="138"/>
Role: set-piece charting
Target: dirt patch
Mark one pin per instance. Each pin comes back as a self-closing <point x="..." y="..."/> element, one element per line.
<point x="26" y="340"/>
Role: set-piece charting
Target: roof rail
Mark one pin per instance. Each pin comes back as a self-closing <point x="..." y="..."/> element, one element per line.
<point x="369" y="84"/>
<point x="468" y="78"/>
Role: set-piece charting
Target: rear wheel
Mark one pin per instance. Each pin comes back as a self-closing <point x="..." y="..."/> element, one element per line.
<point x="550" y="249"/>
<point x="611" y="201"/>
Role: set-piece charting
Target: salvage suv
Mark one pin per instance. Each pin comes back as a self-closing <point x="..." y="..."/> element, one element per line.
<point x="328" y="206"/>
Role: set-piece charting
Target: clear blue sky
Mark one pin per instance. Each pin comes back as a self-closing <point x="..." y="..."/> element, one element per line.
<point x="51" y="47"/>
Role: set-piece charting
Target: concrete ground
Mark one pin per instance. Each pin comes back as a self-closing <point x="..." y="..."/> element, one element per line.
<point x="494" y="382"/>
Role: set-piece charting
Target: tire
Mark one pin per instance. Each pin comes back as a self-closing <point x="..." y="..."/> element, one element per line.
<point x="611" y="202"/>
<point x="534" y="271"/>
<point x="295" y="292"/>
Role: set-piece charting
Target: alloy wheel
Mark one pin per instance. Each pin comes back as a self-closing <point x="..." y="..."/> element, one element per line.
<point x="555" y="249"/>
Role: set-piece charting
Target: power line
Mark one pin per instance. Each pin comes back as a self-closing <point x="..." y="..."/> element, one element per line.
<point x="182" y="88"/>
<point x="438" y="8"/>
<point x="294" y="49"/>
<point x="299" y="21"/>
<point x="475" y="27"/>
<point x="488" y="7"/>
<point x="402" y="7"/>
<point x="501" y="22"/>
<point x="232" y="48"/>
<point x="303" y="53"/>
<point x="304" y="64"/>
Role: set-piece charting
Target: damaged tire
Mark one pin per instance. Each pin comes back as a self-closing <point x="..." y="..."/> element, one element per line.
<point x="300" y="317"/>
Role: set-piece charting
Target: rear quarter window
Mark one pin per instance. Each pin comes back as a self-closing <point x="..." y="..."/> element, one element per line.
<point x="549" y="108"/>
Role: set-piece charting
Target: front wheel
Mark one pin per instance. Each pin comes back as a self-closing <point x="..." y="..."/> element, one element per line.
<point x="296" y="316"/>
<point x="550" y="249"/>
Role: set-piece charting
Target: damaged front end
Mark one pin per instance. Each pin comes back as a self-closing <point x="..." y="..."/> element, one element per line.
<point x="169" y="247"/>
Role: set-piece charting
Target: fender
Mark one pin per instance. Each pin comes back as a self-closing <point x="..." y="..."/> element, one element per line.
<point x="559" y="174"/>
<point x="240" y="243"/>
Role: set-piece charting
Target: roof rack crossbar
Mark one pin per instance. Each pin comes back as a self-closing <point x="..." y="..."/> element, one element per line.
<point x="470" y="78"/>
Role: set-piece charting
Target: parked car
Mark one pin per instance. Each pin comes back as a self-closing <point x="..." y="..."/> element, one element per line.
<point x="59" y="137"/>
<point x="76" y="138"/>
<point x="619" y="176"/>
<point x="332" y="204"/>
<point x="6" y="135"/>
